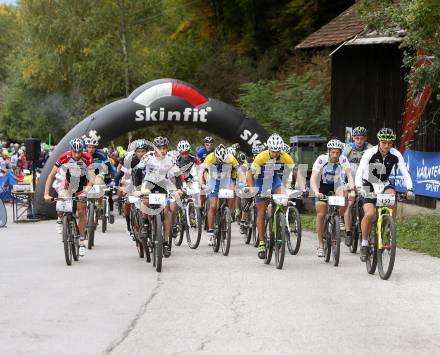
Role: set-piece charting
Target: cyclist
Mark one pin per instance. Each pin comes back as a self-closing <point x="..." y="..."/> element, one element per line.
<point x="132" y="178"/>
<point x="159" y="172"/>
<point x="376" y="165"/>
<point x="208" y="147"/>
<point x="81" y="160"/>
<point x="201" y="154"/>
<point x="217" y="171"/>
<point x="103" y="174"/>
<point x="264" y="175"/>
<point x="354" y="152"/>
<point x="331" y="168"/>
<point x="186" y="163"/>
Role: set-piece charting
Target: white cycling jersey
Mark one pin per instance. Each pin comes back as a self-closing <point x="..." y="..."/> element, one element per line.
<point x="331" y="172"/>
<point x="158" y="170"/>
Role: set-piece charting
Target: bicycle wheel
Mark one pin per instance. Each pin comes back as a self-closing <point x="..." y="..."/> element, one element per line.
<point x="356" y="228"/>
<point x="327" y="240"/>
<point x="104" y="216"/>
<point x="157" y="243"/>
<point x="205" y="214"/>
<point x="67" y="239"/>
<point x="75" y="239"/>
<point x="249" y="224"/>
<point x="177" y="240"/>
<point x="293" y="220"/>
<point x="280" y="239"/>
<point x="90" y="225"/>
<point x="269" y="238"/>
<point x="3" y="214"/>
<point x="254" y="227"/>
<point x="371" y="262"/>
<point x="193" y="225"/>
<point x="336" y="240"/>
<point x="387" y="254"/>
<point x="225" y="230"/>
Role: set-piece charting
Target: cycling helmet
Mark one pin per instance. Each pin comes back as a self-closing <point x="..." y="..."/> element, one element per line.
<point x="286" y="148"/>
<point x="161" y="141"/>
<point x="221" y="152"/>
<point x="256" y="149"/>
<point x="275" y="142"/>
<point x="76" y="145"/>
<point x="139" y="144"/>
<point x="92" y="139"/>
<point x="386" y="134"/>
<point x="208" y="139"/>
<point x="236" y="146"/>
<point x="183" y="146"/>
<point x="335" y="144"/>
<point x="232" y="150"/>
<point x="359" y="131"/>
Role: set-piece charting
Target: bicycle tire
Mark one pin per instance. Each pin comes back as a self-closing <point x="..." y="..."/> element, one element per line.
<point x="217" y="234"/>
<point x="66" y="240"/>
<point x="177" y="241"/>
<point x="3" y="214"/>
<point x="336" y="240"/>
<point x="356" y="228"/>
<point x="371" y="262"/>
<point x="193" y="237"/>
<point x="389" y="244"/>
<point x="269" y="238"/>
<point x="225" y="231"/>
<point x="250" y="223"/>
<point x="280" y="240"/>
<point x="327" y="240"/>
<point x="158" y="243"/>
<point x="254" y="227"/>
<point x="75" y="242"/>
<point x="104" y="216"/>
<point x="90" y="225"/>
<point x="293" y="244"/>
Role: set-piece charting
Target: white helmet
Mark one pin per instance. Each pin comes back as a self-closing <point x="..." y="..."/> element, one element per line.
<point x="221" y="152"/>
<point x="232" y="150"/>
<point x="92" y="139"/>
<point x="275" y="142"/>
<point x="183" y="146"/>
<point x="335" y="144"/>
<point x="286" y="148"/>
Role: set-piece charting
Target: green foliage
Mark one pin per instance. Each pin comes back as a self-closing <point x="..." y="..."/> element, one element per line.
<point x="297" y="105"/>
<point x="420" y="20"/>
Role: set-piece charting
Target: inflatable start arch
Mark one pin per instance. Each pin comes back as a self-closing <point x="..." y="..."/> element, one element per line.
<point x="156" y="102"/>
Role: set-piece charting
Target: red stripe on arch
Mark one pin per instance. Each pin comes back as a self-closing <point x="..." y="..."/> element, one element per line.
<point x="188" y="94"/>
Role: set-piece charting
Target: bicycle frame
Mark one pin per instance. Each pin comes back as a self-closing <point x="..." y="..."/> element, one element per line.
<point x="381" y="211"/>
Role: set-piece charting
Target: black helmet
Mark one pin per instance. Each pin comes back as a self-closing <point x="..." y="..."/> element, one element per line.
<point x="359" y="131"/>
<point x="208" y="139"/>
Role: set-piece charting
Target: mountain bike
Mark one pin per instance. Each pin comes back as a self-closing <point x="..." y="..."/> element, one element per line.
<point x="275" y="229"/>
<point x="93" y="195"/>
<point x="65" y="208"/>
<point x="357" y="214"/>
<point x="332" y="232"/>
<point x="189" y="218"/>
<point x="249" y="216"/>
<point x="382" y="238"/>
<point x="3" y="214"/>
<point x="223" y="220"/>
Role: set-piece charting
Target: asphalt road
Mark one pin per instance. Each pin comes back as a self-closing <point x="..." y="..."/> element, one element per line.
<point x="112" y="302"/>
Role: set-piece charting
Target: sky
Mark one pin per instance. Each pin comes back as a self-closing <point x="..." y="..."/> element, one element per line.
<point x="8" y="1"/>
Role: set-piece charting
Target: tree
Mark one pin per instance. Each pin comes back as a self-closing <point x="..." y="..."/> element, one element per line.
<point x="420" y="20"/>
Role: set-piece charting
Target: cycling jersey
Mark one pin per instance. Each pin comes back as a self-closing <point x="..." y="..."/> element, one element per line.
<point x="99" y="157"/>
<point x="263" y="163"/>
<point x="331" y="172"/>
<point x="159" y="171"/>
<point x="375" y="166"/>
<point x="66" y="160"/>
<point x="187" y="169"/>
<point x="228" y="166"/>
<point x="354" y="155"/>
<point x="129" y="169"/>
<point x="202" y="153"/>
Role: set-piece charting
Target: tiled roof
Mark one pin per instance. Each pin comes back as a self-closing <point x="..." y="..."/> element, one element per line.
<point x="341" y="28"/>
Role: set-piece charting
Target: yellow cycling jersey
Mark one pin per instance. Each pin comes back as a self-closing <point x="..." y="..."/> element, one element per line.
<point x="212" y="160"/>
<point x="263" y="159"/>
